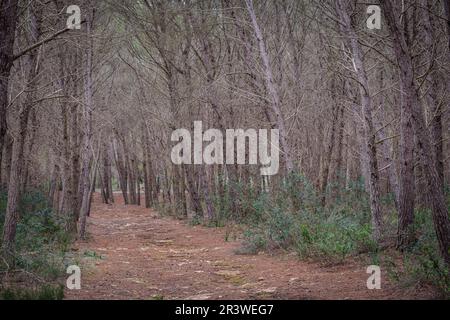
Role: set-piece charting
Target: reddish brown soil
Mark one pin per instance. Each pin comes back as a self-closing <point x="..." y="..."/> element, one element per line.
<point x="132" y="253"/>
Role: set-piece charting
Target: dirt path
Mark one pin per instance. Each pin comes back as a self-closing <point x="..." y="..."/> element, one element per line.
<point x="132" y="253"/>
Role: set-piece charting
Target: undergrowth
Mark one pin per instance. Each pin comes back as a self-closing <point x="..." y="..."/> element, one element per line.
<point x="40" y="247"/>
<point x="293" y="219"/>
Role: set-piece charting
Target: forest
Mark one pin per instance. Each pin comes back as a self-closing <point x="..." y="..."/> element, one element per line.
<point x="224" y="149"/>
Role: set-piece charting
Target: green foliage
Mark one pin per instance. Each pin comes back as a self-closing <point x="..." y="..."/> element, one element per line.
<point x="45" y="292"/>
<point x="422" y="263"/>
<point x="164" y="209"/>
<point x="290" y="216"/>
<point x="40" y="229"/>
<point x="334" y="240"/>
<point x="195" y="221"/>
<point x="41" y="243"/>
<point x="92" y="254"/>
<point x="328" y="234"/>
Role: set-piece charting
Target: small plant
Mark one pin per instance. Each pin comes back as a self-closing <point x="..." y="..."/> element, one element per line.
<point x="92" y="254"/>
<point x="196" y="220"/>
<point x="255" y="241"/>
<point x="328" y="234"/>
<point x="45" y="292"/>
<point x="41" y="243"/>
<point x="422" y="263"/>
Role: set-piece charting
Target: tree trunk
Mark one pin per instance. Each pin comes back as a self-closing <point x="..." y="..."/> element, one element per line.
<point x="17" y="162"/>
<point x="274" y="97"/>
<point x="87" y="125"/>
<point x="121" y="169"/>
<point x="447" y="13"/>
<point x="386" y="147"/>
<point x="367" y="107"/>
<point x="195" y="197"/>
<point x="8" y="158"/>
<point x="413" y="110"/>
<point x="106" y="177"/>
<point x="434" y="109"/>
<point x="8" y="20"/>
<point x="328" y="153"/>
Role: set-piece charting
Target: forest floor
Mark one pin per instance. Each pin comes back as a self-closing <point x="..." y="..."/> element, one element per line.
<point x="133" y="253"/>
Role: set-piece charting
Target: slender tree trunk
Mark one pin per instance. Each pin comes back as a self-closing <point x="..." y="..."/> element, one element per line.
<point x="30" y="149"/>
<point x="328" y="154"/>
<point x="109" y="172"/>
<point x="147" y="188"/>
<point x="183" y="192"/>
<point x="340" y="148"/>
<point x="95" y="166"/>
<point x="387" y="147"/>
<point x="435" y="111"/>
<point x="129" y="160"/>
<point x="8" y="19"/>
<point x="195" y="197"/>
<point x="447" y="13"/>
<point x="53" y="185"/>
<point x="206" y="193"/>
<point x="275" y="100"/>
<point x="105" y="177"/>
<point x="8" y="158"/>
<point x="75" y="164"/>
<point x="87" y="125"/>
<point x="367" y="107"/>
<point x="121" y="169"/>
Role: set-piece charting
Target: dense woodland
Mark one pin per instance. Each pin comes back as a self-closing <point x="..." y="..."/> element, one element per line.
<point x="363" y="120"/>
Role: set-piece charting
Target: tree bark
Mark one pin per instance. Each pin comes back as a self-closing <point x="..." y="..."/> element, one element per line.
<point x="87" y="125"/>
<point x="386" y="147"/>
<point x="8" y="20"/>
<point x="413" y="110"/>
<point x="273" y="92"/>
<point x="367" y="108"/>
<point x="435" y="111"/>
<point x="121" y="169"/>
<point x="17" y="162"/>
<point x="195" y="197"/>
<point x="328" y="153"/>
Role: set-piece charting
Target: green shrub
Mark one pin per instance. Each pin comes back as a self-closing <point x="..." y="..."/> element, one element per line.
<point x="290" y="216"/>
<point x="281" y="228"/>
<point x="301" y="191"/>
<point x="45" y="292"/>
<point x="41" y="243"/>
<point x="333" y="240"/>
<point x="422" y="263"/>
<point x="330" y="234"/>
<point x="255" y="241"/>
